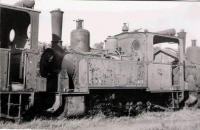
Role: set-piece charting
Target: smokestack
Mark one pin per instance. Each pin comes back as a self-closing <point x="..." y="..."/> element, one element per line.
<point x="182" y="35"/>
<point x="194" y="42"/>
<point x="56" y="22"/>
<point x="79" y="24"/>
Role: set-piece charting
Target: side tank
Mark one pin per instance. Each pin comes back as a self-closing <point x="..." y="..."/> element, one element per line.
<point x="80" y="38"/>
<point x="111" y="44"/>
<point x="193" y="53"/>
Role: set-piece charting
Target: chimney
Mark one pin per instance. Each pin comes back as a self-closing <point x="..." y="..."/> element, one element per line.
<point x="56" y="22"/>
<point x="79" y="24"/>
<point x="194" y="42"/>
<point x="182" y="35"/>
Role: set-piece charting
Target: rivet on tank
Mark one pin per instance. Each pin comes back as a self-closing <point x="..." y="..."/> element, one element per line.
<point x="80" y="38"/>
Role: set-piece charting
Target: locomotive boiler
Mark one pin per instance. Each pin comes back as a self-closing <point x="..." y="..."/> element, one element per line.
<point x="130" y="75"/>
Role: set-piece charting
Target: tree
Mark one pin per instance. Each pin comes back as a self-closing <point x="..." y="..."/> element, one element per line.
<point x="99" y="46"/>
<point x="65" y="47"/>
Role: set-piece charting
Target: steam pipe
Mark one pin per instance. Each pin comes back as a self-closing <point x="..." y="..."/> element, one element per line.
<point x="79" y="24"/>
<point x="194" y="42"/>
<point x="182" y="35"/>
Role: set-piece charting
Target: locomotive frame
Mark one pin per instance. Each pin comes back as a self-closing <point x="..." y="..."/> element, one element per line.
<point x="88" y="75"/>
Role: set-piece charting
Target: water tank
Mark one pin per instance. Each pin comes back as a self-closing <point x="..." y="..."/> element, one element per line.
<point x="80" y="38"/>
<point x="111" y="44"/>
<point x="193" y="53"/>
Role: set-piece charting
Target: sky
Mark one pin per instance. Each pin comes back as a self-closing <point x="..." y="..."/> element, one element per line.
<point x="106" y="18"/>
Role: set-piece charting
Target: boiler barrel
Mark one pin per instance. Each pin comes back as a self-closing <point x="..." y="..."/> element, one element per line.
<point x="52" y="61"/>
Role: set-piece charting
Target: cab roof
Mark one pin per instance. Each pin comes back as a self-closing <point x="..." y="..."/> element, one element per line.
<point x="18" y="8"/>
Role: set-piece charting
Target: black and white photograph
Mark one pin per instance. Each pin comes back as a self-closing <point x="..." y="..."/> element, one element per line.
<point x="99" y="65"/>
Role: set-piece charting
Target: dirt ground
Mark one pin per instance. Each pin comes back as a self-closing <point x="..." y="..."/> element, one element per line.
<point x="186" y="119"/>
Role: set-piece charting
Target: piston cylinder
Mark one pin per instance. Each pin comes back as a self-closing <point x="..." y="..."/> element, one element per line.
<point x="53" y="61"/>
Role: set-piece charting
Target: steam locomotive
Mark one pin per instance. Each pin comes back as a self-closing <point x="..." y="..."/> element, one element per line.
<point x="130" y="74"/>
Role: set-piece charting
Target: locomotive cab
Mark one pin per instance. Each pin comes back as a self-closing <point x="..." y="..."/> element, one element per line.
<point x="18" y="55"/>
<point x="18" y="38"/>
<point x="165" y="64"/>
<point x="10" y="21"/>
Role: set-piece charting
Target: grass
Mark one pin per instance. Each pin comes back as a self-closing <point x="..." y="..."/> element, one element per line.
<point x="186" y="119"/>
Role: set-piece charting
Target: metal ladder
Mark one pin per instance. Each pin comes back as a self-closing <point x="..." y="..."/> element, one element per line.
<point x="176" y="99"/>
<point x="9" y="104"/>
